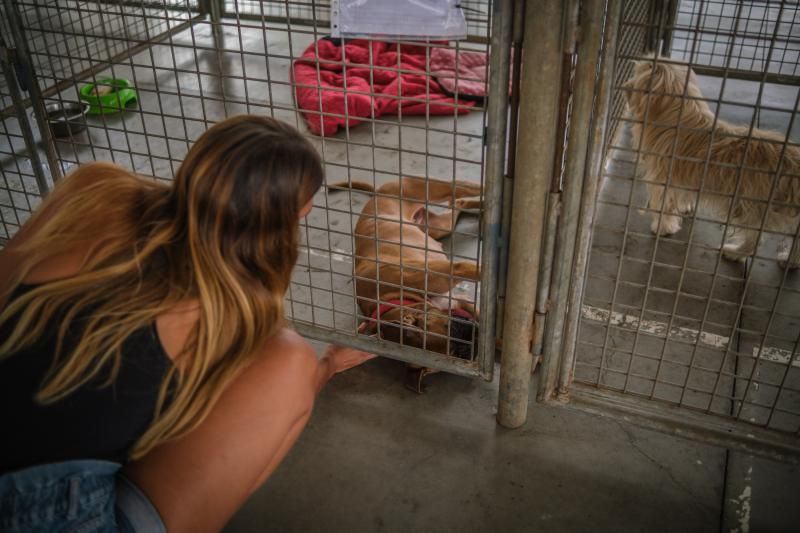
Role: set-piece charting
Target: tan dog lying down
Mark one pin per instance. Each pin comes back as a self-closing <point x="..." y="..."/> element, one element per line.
<point x="403" y="276"/>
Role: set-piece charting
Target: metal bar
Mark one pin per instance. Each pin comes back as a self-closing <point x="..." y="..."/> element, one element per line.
<point x="565" y="105"/>
<point x="781" y="79"/>
<point x="546" y="271"/>
<point x="535" y="162"/>
<point x="565" y="267"/>
<point x="408" y="354"/>
<point x="671" y="8"/>
<point x="153" y="4"/>
<point x="32" y="86"/>
<point x="216" y="8"/>
<point x="6" y="63"/>
<point x="496" y="129"/>
<point x="104" y="64"/>
<point x="683" y="422"/>
<point x="505" y="223"/>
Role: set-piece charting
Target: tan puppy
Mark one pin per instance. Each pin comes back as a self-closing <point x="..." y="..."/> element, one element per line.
<point x="403" y="276"/>
<point x="676" y="134"/>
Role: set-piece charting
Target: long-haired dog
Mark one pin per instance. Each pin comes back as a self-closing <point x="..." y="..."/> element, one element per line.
<point x="693" y="162"/>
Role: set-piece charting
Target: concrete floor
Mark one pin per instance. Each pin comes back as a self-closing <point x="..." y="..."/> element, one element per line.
<point x="376" y="457"/>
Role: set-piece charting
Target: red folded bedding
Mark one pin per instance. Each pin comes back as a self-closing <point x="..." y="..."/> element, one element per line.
<point x="392" y="79"/>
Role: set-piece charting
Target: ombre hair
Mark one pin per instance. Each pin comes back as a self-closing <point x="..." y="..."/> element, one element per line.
<point x="224" y="233"/>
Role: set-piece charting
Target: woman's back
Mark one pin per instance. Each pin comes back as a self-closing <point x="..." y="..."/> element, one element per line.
<point x="98" y="420"/>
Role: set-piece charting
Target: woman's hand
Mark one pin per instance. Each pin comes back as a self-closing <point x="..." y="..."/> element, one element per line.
<point x="338" y="359"/>
<point x="342" y="358"/>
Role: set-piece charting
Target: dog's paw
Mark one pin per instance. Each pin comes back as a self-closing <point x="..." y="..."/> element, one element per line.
<point x="733" y="252"/>
<point x="783" y="260"/>
<point x="468" y="205"/>
<point x="665" y="225"/>
<point x="467" y="270"/>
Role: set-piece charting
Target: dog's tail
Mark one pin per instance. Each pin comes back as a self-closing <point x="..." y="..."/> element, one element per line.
<point x="352" y="185"/>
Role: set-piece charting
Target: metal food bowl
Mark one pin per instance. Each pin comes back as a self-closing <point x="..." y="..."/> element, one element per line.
<point x="66" y="118"/>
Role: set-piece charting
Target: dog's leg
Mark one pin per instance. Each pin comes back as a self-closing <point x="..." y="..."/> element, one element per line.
<point x="439" y="226"/>
<point x="468" y="204"/>
<point x="789" y="251"/>
<point x="789" y="255"/>
<point x="664" y="224"/>
<point x="432" y="277"/>
<point x="432" y="190"/>
<point x="739" y="244"/>
<point x="667" y="222"/>
<point x="469" y="307"/>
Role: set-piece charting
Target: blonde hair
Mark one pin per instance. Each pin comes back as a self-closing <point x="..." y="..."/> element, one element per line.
<point x="224" y="233"/>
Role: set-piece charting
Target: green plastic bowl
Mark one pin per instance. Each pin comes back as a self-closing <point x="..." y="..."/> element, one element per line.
<point x="122" y="95"/>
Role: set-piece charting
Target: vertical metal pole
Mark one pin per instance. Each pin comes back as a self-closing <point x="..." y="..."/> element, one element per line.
<point x="496" y="128"/>
<point x="215" y="10"/>
<point x="671" y="8"/>
<point x="536" y="148"/>
<point x="7" y="65"/>
<point x="590" y="37"/>
<point x="32" y="85"/>
<point x="508" y="182"/>
<point x="594" y="168"/>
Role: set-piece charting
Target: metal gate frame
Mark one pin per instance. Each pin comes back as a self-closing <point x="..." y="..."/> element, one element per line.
<point x="592" y="104"/>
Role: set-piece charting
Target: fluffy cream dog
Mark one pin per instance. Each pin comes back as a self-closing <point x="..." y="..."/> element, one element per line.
<point x="693" y="163"/>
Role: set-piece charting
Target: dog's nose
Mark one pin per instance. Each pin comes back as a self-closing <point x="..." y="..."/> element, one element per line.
<point x="464" y="337"/>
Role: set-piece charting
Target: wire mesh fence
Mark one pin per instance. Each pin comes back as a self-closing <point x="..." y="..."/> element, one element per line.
<point x="377" y="110"/>
<point x="19" y="190"/>
<point x="752" y="37"/>
<point x="691" y="297"/>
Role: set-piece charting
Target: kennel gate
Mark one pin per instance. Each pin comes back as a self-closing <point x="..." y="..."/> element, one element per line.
<point x="662" y="329"/>
<point x="193" y="63"/>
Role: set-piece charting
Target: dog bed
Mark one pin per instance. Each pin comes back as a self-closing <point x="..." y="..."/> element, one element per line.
<point x="381" y="78"/>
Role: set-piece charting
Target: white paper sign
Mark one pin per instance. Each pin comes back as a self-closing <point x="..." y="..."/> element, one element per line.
<point x="406" y="19"/>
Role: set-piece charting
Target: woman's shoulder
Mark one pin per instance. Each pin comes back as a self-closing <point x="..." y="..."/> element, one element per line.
<point x="90" y="175"/>
<point x="69" y="194"/>
<point x="288" y="353"/>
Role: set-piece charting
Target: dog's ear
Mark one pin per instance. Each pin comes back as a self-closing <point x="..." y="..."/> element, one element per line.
<point x="628" y="85"/>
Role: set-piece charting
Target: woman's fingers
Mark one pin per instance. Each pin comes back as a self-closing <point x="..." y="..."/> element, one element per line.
<point x="343" y="358"/>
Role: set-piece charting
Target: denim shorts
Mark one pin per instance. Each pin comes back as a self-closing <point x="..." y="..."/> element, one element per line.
<point x="74" y="496"/>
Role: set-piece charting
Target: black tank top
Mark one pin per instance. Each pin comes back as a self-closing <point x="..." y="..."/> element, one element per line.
<point x="95" y="421"/>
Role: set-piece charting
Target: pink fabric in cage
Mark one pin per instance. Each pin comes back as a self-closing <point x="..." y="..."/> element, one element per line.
<point x="339" y="83"/>
<point x="462" y="72"/>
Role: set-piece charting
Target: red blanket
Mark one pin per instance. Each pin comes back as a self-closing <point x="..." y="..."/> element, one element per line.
<point x="397" y="81"/>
